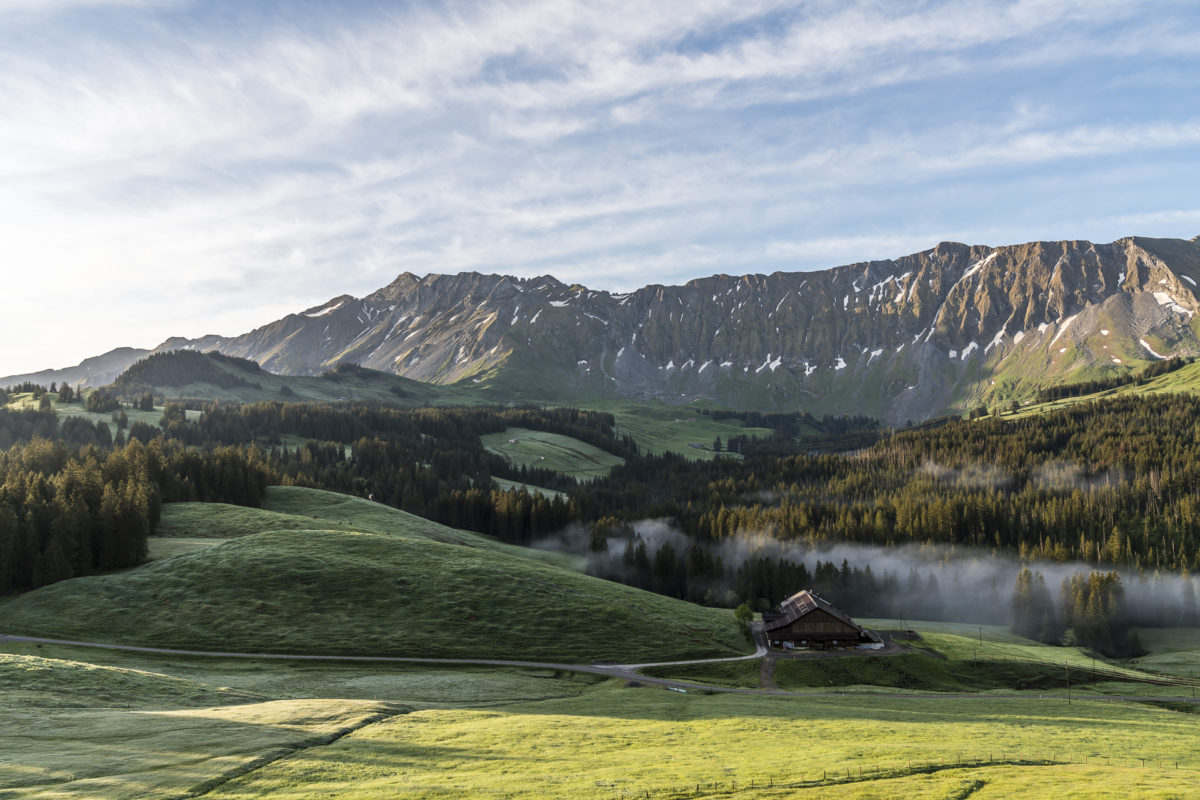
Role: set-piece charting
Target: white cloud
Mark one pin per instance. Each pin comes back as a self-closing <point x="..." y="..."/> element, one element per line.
<point x="43" y="7"/>
<point x="286" y="165"/>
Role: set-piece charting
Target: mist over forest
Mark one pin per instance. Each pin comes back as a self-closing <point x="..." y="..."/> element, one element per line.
<point x="960" y="584"/>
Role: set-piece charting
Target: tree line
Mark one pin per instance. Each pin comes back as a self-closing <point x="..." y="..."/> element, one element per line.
<point x="1081" y="388"/>
<point x="1090" y="613"/>
<point x="1112" y="483"/>
<point x="68" y="510"/>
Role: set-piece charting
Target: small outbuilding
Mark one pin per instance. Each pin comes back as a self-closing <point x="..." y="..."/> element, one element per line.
<point x="808" y="620"/>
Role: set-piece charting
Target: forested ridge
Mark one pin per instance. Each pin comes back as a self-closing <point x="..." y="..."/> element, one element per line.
<point x="1107" y="482"/>
<point x="1113" y="483"/>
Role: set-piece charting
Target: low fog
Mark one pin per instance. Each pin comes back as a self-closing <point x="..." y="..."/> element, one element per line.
<point x="913" y="582"/>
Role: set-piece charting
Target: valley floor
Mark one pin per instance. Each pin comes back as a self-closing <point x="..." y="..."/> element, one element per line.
<point x="86" y="723"/>
<point x="964" y="711"/>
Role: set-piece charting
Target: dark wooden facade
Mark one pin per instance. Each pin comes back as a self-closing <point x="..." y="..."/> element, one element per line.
<point x="807" y="620"/>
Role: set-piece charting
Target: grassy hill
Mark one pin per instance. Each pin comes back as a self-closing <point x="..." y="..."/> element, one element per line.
<point x="1185" y="380"/>
<point x="396" y="591"/>
<point x="563" y="454"/>
<point x="960" y="657"/>
<point x="299" y="508"/>
<point x="27" y="680"/>
<point x="210" y="376"/>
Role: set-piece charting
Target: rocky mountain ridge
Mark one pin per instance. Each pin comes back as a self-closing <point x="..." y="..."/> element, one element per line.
<point x="904" y="339"/>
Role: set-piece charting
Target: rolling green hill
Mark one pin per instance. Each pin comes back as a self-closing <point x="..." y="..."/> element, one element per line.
<point x="212" y="376"/>
<point x="344" y="591"/>
<point x="300" y="508"/>
<point x="562" y="454"/>
<point x="1182" y="381"/>
<point x="27" y="680"/>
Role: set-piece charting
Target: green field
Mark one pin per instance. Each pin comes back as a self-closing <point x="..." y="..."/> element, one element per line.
<point x="299" y="508"/>
<point x="164" y="752"/>
<point x="1185" y="380"/>
<point x="59" y="676"/>
<point x="131" y="725"/>
<point x="361" y="578"/>
<point x="551" y="451"/>
<point x="659" y="428"/>
<point x="318" y="572"/>
<point x="1173" y="651"/>
<point x="623" y="743"/>
<point x="66" y="410"/>
<point x="506" y="485"/>
<point x="958" y="657"/>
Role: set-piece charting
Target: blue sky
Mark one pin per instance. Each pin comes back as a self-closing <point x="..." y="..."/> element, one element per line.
<point x="180" y="168"/>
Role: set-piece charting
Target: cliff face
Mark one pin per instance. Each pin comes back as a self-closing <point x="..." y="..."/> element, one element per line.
<point x="902" y="339"/>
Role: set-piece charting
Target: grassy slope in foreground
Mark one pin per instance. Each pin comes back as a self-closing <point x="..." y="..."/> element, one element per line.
<point x="334" y="591"/>
<point x="621" y="743"/>
<point x="35" y="681"/>
<point x="97" y="753"/>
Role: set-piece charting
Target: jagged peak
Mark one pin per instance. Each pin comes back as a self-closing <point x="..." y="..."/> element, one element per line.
<point x="329" y="306"/>
<point x="549" y="280"/>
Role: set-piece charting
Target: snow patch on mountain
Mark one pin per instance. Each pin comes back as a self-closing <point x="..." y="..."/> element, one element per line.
<point x="325" y="311"/>
<point x="1150" y="349"/>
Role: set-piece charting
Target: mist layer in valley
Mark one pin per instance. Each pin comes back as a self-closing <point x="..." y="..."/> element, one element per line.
<point x="904" y="582"/>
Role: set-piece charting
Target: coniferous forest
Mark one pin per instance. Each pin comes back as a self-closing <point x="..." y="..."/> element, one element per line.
<point x="1112" y="484"/>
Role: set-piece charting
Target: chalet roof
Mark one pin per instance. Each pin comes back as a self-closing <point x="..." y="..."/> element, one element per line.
<point x="802" y="603"/>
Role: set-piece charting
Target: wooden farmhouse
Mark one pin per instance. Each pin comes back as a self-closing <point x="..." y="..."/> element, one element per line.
<point x="807" y="620"/>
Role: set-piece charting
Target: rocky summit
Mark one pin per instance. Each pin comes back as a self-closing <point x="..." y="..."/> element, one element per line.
<point x="938" y="331"/>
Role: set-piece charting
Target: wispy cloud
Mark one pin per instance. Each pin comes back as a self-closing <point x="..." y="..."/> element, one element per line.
<point x="218" y="175"/>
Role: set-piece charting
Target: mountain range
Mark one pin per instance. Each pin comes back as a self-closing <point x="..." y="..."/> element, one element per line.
<point x="938" y="331"/>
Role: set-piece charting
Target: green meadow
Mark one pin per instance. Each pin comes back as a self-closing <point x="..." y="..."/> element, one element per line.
<point x="1185" y="380"/>
<point x="958" y="658"/>
<point x="552" y="451"/>
<point x="317" y="572"/>
<point x="299" y="508"/>
<point x="167" y="726"/>
<point x="658" y="427"/>
<point x="969" y="711"/>
<point x="615" y="742"/>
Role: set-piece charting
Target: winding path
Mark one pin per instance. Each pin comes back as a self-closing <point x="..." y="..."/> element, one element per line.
<point x="627" y="672"/>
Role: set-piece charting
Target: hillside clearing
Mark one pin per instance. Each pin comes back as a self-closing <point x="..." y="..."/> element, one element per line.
<point x="552" y="451"/>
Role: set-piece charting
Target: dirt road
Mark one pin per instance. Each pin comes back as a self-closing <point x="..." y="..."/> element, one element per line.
<point x="627" y="672"/>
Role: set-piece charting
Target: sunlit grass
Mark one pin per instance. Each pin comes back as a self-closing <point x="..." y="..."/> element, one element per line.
<point x="160" y="753"/>
<point x="551" y="451"/>
<point x="621" y="743"/>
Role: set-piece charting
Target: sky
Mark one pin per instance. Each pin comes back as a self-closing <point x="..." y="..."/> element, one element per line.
<point x="179" y="168"/>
